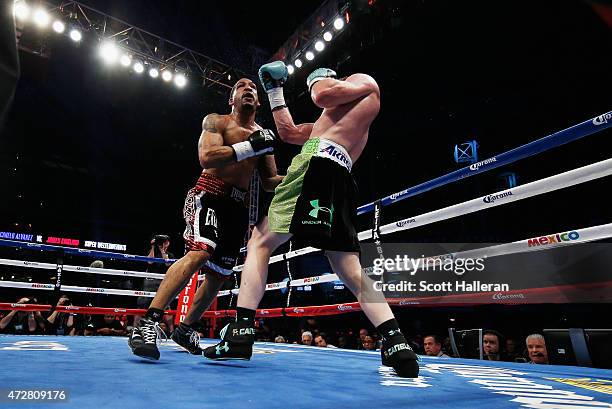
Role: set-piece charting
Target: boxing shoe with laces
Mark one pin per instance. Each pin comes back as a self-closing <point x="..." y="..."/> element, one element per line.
<point x="143" y="339"/>
<point x="188" y="338"/>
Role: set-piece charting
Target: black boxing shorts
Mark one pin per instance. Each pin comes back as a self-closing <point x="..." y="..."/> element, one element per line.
<point x="217" y="220"/>
<point x="317" y="200"/>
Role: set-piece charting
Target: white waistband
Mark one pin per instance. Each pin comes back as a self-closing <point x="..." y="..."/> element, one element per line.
<point x="335" y="152"/>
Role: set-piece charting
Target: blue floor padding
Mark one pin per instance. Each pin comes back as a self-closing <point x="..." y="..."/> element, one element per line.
<point x="101" y="372"/>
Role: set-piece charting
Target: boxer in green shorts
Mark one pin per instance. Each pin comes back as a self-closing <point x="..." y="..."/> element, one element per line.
<point x="316" y="203"/>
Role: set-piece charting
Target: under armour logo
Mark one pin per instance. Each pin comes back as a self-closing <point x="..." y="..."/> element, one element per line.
<point x="223" y="347"/>
<point x="316" y="208"/>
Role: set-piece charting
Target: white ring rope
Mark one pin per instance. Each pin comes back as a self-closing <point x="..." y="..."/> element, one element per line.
<point x="562" y="180"/>
<point x="585" y="235"/>
<point x="566" y="179"/>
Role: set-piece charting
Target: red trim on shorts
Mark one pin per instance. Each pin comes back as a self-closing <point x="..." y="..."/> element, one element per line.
<point x="214" y="185"/>
<point x="198" y="246"/>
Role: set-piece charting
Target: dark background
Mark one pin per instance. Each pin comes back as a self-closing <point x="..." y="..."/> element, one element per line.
<point x="101" y="154"/>
<point x="97" y="153"/>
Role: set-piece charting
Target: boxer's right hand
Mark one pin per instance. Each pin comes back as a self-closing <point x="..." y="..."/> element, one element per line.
<point x="273" y="75"/>
<point x="259" y="142"/>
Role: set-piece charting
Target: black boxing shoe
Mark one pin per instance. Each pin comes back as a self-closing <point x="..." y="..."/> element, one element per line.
<point x="237" y="339"/>
<point x="188" y="338"/>
<point x="396" y="353"/>
<point x="143" y="339"/>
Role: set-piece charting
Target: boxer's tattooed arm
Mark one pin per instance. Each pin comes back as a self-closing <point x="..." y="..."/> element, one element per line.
<point x="211" y="150"/>
<point x="209" y="124"/>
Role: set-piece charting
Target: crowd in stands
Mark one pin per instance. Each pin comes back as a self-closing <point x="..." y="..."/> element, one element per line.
<point x="307" y="332"/>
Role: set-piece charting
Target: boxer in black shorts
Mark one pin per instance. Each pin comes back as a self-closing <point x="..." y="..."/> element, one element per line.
<point x="230" y="148"/>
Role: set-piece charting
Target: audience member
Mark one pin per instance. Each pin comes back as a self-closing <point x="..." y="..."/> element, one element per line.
<point x="23" y="322"/>
<point x="536" y="347"/>
<point x="433" y="346"/>
<point x="512" y="353"/>
<point x="306" y="338"/>
<point x="491" y="345"/>
<point x="62" y="323"/>
<point x="159" y="249"/>
<point x="362" y="334"/>
<point x="321" y="341"/>
<point x="280" y="339"/>
<point x="110" y="326"/>
<point x="368" y="343"/>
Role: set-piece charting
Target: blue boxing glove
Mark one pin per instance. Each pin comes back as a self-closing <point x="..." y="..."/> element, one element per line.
<point x="318" y="75"/>
<point x="272" y="77"/>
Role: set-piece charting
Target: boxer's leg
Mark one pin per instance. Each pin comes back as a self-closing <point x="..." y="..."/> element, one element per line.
<point x="395" y="350"/>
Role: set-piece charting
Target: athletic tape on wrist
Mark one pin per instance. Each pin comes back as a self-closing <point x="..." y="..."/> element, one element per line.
<point x="276" y="98"/>
<point x="243" y="150"/>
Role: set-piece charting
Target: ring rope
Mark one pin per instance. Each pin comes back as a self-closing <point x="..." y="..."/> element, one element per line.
<point x="562" y="180"/>
<point x="588" y="127"/>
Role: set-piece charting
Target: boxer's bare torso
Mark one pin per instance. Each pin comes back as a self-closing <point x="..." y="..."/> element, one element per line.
<point x="237" y="173"/>
<point x="349" y="124"/>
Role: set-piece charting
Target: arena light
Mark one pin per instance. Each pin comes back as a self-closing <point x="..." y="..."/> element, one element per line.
<point x="327" y="36"/>
<point x="125" y="60"/>
<point x="21" y="10"/>
<point x="339" y="23"/>
<point x="167" y="75"/>
<point x="75" y="35"/>
<point x="180" y="80"/>
<point x="309" y="55"/>
<point x="138" y="67"/>
<point x="319" y="46"/>
<point x="58" y="26"/>
<point x="41" y="18"/>
<point x="290" y="69"/>
<point x="109" y="52"/>
<point x="154" y="73"/>
<point x="298" y="63"/>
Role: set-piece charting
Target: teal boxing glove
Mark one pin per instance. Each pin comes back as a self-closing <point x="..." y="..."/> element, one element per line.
<point x="318" y="75"/>
<point x="272" y="77"/>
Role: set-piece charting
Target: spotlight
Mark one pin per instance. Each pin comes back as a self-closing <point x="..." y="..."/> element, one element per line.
<point x="339" y="23"/>
<point x="319" y="46"/>
<point x="290" y="69"/>
<point x="76" y="35"/>
<point x="138" y="67"/>
<point x="180" y="80"/>
<point x="125" y="60"/>
<point x="58" y="26"/>
<point x="41" y="18"/>
<point x="298" y="63"/>
<point x="109" y="52"/>
<point x="166" y="75"/>
<point x="327" y="36"/>
<point x="21" y="10"/>
<point x="154" y="73"/>
<point x="309" y="56"/>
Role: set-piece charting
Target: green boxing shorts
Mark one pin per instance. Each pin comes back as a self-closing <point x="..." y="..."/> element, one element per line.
<point x="316" y="201"/>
